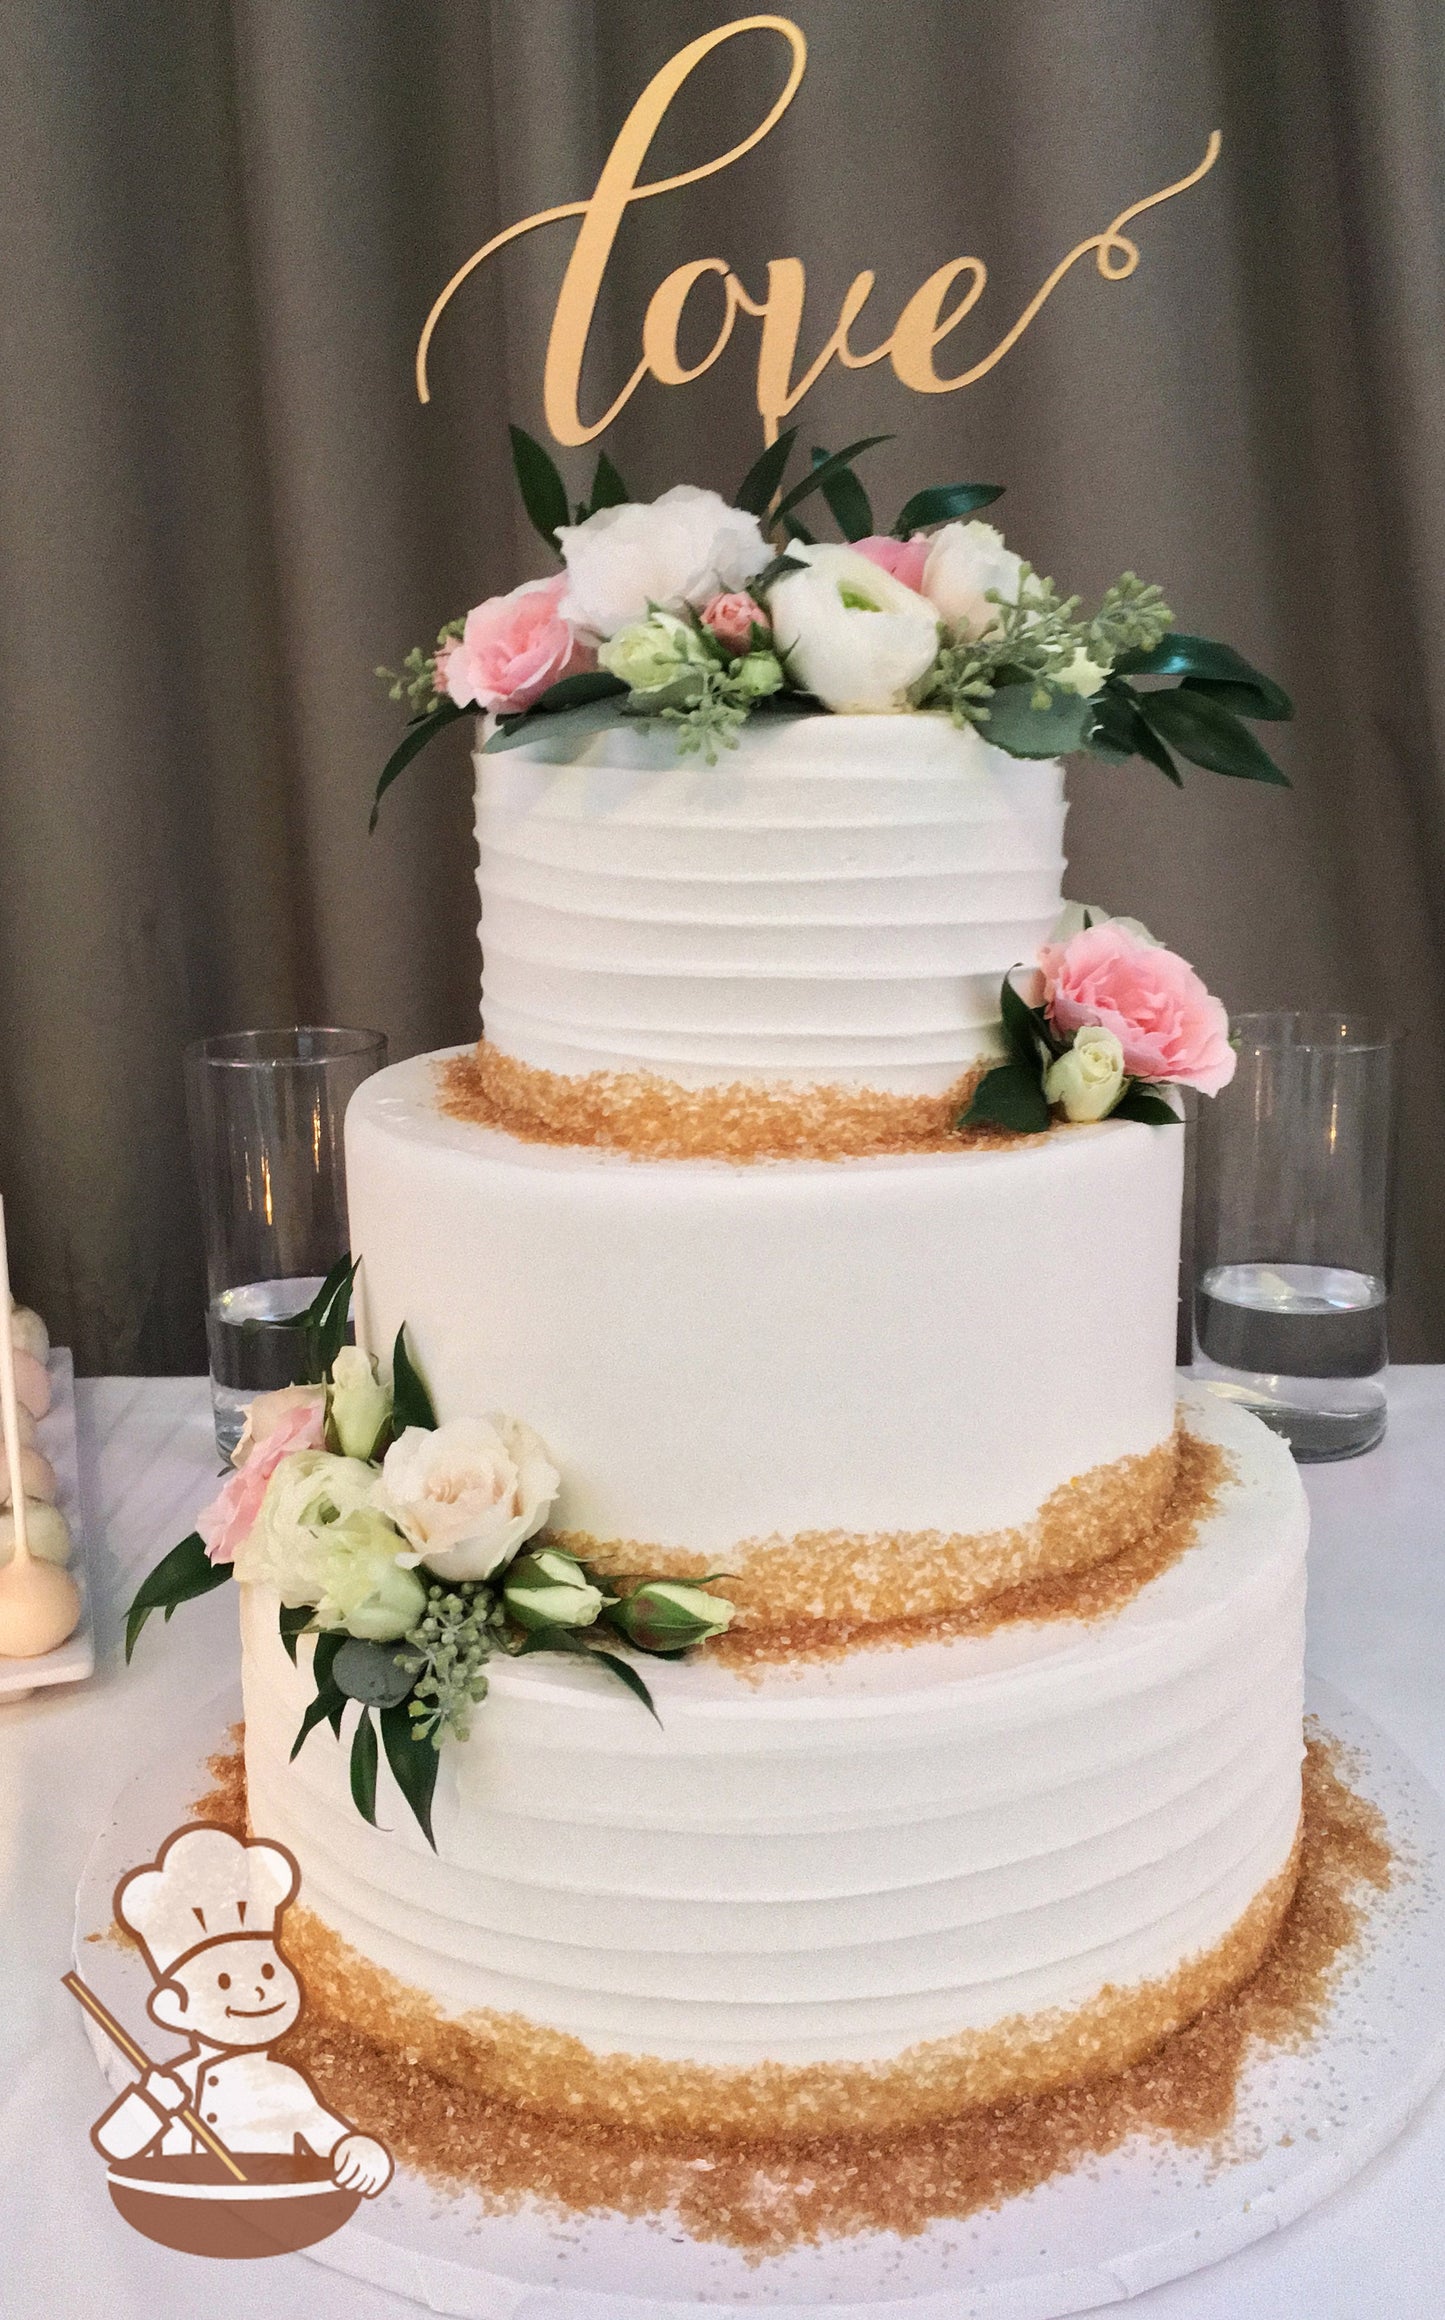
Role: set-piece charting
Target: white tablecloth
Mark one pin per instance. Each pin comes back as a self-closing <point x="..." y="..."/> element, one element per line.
<point x="1377" y="1630"/>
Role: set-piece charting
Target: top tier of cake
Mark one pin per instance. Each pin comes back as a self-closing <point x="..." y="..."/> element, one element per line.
<point x="836" y="900"/>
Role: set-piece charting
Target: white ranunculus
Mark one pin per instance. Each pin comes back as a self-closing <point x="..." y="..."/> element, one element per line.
<point x="365" y="1590"/>
<point x="964" y="562"/>
<point x="1074" y="916"/>
<point x="684" y="548"/>
<point x="360" y="1404"/>
<point x="467" y="1494"/>
<point x="1088" y="1078"/>
<point x="310" y="1491"/>
<point x="849" y="632"/>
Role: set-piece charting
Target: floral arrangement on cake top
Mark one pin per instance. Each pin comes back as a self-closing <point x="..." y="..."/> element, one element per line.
<point x="1106" y="1020"/>
<point x="413" y="1553"/>
<point x="700" y="614"/>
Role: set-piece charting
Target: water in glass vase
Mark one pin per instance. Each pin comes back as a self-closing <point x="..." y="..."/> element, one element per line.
<point x="246" y="1361"/>
<point x="1304" y="1346"/>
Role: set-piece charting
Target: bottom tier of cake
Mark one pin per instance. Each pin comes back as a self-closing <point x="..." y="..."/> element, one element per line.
<point x="860" y="1892"/>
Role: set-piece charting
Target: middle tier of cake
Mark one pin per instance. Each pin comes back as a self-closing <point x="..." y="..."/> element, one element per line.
<point x="871" y="1390"/>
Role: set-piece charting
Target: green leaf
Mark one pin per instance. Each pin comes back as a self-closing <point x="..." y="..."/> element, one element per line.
<point x="327" y="1706"/>
<point x="765" y="475"/>
<point x="1012" y="1096"/>
<point x="1119" y="731"/>
<point x="847" y="500"/>
<point x="839" y="463"/>
<point x="1181" y="655"/>
<point x="569" y="726"/>
<point x="1025" y="1028"/>
<point x="1246" y="700"/>
<point x="1208" y="735"/>
<point x="414" y="1764"/>
<point x="629" y="1677"/>
<point x="1141" y="1102"/>
<point x="943" y="503"/>
<point x="322" y="1662"/>
<point x="608" y="488"/>
<point x="363" y="1767"/>
<point x="543" y="494"/>
<point x="411" y="1404"/>
<point x="762" y="581"/>
<point x="799" y="531"/>
<point x="327" y="1332"/>
<point x="571" y="692"/>
<point x="179" y="1577"/>
<point x="418" y="734"/>
<point x="291" y="1618"/>
<point x="1016" y="725"/>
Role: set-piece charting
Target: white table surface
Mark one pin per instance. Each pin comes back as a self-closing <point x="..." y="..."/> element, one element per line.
<point x="1377" y="1631"/>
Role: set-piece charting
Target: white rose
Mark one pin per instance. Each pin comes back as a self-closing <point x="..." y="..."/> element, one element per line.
<point x="364" y="1589"/>
<point x="655" y="654"/>
<point x="360" y="1404"/>
<point x="964" y="562"/>
<point x="287" y="1545"/>
<point x="468" y="1493"/>
<point x="1088" y="1078"/>
<point x="684" y="548"/>
<point x="849" y="632"/>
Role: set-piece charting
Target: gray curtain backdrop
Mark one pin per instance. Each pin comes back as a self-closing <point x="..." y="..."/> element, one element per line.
<point x="221" y="503"/>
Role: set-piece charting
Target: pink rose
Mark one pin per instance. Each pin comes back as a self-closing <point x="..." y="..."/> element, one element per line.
<point x="733" y="618"/>
<point x="905" y="559"/>
<point x="512" y="648"/>
<point x="230" y="1518"/>
<point x="1168" y="1024"/>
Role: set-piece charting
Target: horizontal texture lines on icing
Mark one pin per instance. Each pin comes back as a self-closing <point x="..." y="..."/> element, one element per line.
<point x="832" y="899"/>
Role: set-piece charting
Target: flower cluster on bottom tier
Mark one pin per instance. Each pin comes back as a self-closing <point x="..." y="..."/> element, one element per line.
<point x="861" y="1892"/>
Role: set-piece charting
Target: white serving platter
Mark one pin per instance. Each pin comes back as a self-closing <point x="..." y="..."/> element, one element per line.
<point x="73" y="1660"/>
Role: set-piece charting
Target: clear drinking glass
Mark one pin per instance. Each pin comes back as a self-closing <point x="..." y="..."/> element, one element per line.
<point x="1293" y="1227"/>
<point x="266" y="1110"/>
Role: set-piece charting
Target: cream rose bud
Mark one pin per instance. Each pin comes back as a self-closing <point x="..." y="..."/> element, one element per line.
<point x="653" y="655"/>
<point x="360" y="1404"/>
<point x="365" y="1589"/>
<point x="1088" y="1078"/>
<point x="669" y="1615"/>
<point x="465" y="1495"/>
<point x="964" y="562"/>
<point x="849" y="632"/>
<point x="759" y="674"/>
<point x="551" y="1589"/>
<point x="685" y="548"/>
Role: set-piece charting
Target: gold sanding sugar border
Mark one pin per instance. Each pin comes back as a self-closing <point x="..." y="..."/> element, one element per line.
<point x="819" y="1592"/>
<point x="654" y="1118"/>
<point x="549" y="2073"/>
<point x="766" y="2195"/>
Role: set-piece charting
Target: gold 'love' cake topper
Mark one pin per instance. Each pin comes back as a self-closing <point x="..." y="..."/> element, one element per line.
<point x="925" y="321"/>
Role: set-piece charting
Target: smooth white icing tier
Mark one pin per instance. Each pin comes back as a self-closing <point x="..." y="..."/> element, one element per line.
<point x="934" y="1342"/>
<point x="837" y="899"/>
<point x="837" y="1861"/>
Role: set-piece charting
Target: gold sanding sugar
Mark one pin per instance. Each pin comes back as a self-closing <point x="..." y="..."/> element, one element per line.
<point x="654" y="1118"/>
<point x="765" y="2194"/>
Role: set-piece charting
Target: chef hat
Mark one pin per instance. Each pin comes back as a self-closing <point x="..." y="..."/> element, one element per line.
<point x="204" y="1885"/>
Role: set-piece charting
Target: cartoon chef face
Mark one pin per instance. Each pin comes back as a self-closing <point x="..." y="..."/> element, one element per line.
<point x="234" y="1993"/>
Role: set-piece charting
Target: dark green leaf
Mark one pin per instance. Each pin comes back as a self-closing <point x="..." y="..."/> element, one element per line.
<point x="762" y="581"/>
<point x="414" y="1765"/>
<point x="1025" y="1028"/>
<point x="1246" y="700"/>
<point x="418" y="734"/>
<point x="1180" y="655"/>
<point x="543" y="495"/>
<point x="765" y="475"/>
<point x="291" y="1619"/>
<point x="847" y="500"/>
<point x="1208" y="735"/>
<point x="179" y="1577"/>
<point x="819" y="476"/>
<point x="608" y="488"/>
<point x="1119" y="731"/>
<point x="1016" y="725"/>
<point x="799" y="531"/>
<point x="571" y="692"/>
<point x="363" y="1767"/>
<point x="1140" y="1102"/>
<point x="943" y="503"/>
<point x="329" y="1333"/>
<point x="1012" y="1096"/>
<point x="411" y="1404"/>
<point x="327" y="1706"/>
<point x="322" y="1663"/>
<point x="630" y="1677"/>
<point x="566" y="726"/>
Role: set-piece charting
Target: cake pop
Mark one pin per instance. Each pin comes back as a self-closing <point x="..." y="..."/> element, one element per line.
<point x="39" y="1601"/>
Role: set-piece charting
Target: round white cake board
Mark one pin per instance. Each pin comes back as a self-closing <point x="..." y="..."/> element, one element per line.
<point x="1113" y="2227"/>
